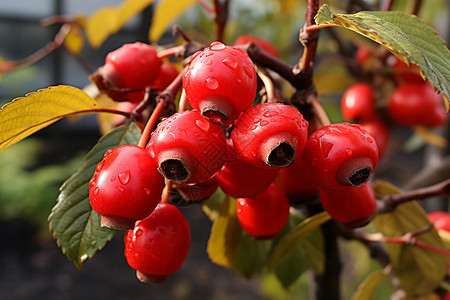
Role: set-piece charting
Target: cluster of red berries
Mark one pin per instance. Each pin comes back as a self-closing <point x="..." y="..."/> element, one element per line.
<point x="260" y="154"/>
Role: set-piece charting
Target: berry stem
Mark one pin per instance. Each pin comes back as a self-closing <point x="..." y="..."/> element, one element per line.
<point x="312" y="28"/>
<point x="389" y="202"/>
<point x="183" y="102"/>
<point x="151" y="123"/>
<point x="272" y="95"/>
<point x="165" y="196"/>
<point x="171" y="51"/>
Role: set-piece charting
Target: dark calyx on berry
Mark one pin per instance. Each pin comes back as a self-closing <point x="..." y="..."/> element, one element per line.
<point x="174" y="170"/>
<point x="281" y="156"/>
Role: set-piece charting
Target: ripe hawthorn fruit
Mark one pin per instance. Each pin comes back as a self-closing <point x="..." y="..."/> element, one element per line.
<point x="132" y="66"/>
<point x="198" y="191"/>
<point x="159" y="244"/>
<point x="265" y="215"/>
<point x="381" y="133"/>
<point x="261" y="42"/>
<point x="125" y="187"/>
<point x="440" y="220"/>
<point x="358" y="102"/>
<point x="220" y="82"/>
<point x="351" y="206"/>
<point x="188" y="147"/>
<point x="239" y="179"/>
<point x="415" y="104"/>
<point x="341" y="155"/>
<point x="270" y="135"/>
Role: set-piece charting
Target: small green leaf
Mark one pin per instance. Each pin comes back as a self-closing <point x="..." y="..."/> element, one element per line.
<point x="213" y="205"/>
<point x="73" y="223"/>
<point x="295" y="237"/>
<point x="225" y="238"/>
<point x="252" y="255"/>
<point x="367" y="288"/>
<point x="419" y="270"/>
<point x="291" y="268"/>
<point x="406" y="36"/>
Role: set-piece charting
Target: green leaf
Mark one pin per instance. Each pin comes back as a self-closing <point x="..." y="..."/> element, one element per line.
<point x="225" y="238"/>
<point x="291" y="268"/>
<point x="367" y="288"/>
<point x="73" y="223"/>
<point x="295" y="237"/>
<point x="419" y="270"/>
<point x="406" y="36"/>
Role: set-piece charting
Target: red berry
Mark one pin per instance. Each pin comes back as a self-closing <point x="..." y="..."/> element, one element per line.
<point x="358" y="102"/>
<point x="297" y="182"/>
<point x="158" y="245"/>
<point x="188" y="147"/>
<point x="220" y="82"/>
<point x="403" y="73"/>
<point x="440" y="219"/>
<point x="125" y="187"/>
<point x="266" y="214"/>
<point x="167" y="74"/>
<point x="125" y="106"/>
<point x="240" y="179"/>
<point x="263" y="43"/>
<point x="353" y="207"/>
<point x="417" y="104"/>
<point x="341" y="155"/>
<point x="270" y="135"/>
<point x="380" y="132"/>
<point x="198" y="191"/>
<point x="363" y="55"/>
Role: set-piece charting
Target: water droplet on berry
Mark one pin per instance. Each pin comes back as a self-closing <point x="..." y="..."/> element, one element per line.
<point x="209" y="62"/>
<point x="139" y="232"/>
<point x="99" y="166"/>
<point x="238" y="80"/>
<point x="96" y="190"/>
<point x="230" y="62"/>
<point x="253" y="127"/>
<point x="124" y="177"/>
<point x="196" y="54"/>
<point x="349" y="151"/>
<point x="212" y="83"/>
<point x="93" y="180"/>
<point x="217" y="46"/>
<point x="108" y="152"/>
<point x="203" y="124"/>
<point x="326" y="148"/>
<point x="269" y="113"/>
<point x="264" y="123"/>
<point x="249" y="72"/>
<point x="147" y="191"/>
<point x="257" y="120"/>
<point x="370" y="140"/>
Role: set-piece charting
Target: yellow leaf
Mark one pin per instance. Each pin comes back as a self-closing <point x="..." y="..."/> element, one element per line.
<point x="26" y="115"/>
<point x="431" y="138"/>
<point x="109" y="20"/>
<point x="74" y="40"/>
<point x="165" y="12"/>
<point x="367" y="288"/>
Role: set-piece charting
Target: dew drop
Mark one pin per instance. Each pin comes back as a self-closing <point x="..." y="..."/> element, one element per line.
<point x="96" y="190"/>
<point x="99" y="166"/>
<point x="209" y="62"/>
<point x="93" y="180"/>
<point x="196" y="54"/>
<point x="326" y="148"/>
<point x="238" y="80"/>
<point x="370" y="140"/>
<point x="203" y="124"/>
<point x="212" y="83"/>
<point x="124" y="177"/>
<point x="349" y="151"/>
<point x="269" y="113"/>
<point x="253" y="127"/>
<point x="249" y="72"/>
<point x="139" y="232"/>
<point x="108" y="152"/>
<point x="147" y="191"/>
<point x="257" y="120"/>
<point x="264" y="123"/>
<point x="230" y="62"/>
<point x="217" y="46"/>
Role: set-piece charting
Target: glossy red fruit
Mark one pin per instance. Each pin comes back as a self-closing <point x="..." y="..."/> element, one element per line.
<point x="417" y="104"/>
<point x="265" y="215"/>
<point x="363" y="55"/>
<point x="240" y="179"/>
<point x="297" y="182"/>
<point x="261" y="42"/>
<point x="125" y="187"/>
<point x="132" y="66"/>
<point x="188" y="147"/>
<point x="403" y="73"/>
<point x="380" y="132"/>
<point x="167" y="74"/>
<point x="358" y="102"/>
<point x="341" y="155"/>
<point x="159" y="244"/>
<point x="270" y="135"/>
<point x="220" y="82"/>
<point x="198" y="191"/>
<point x="125" y="106"/>
<point x="440" y="219"/>
<point x="353" y="207"/>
